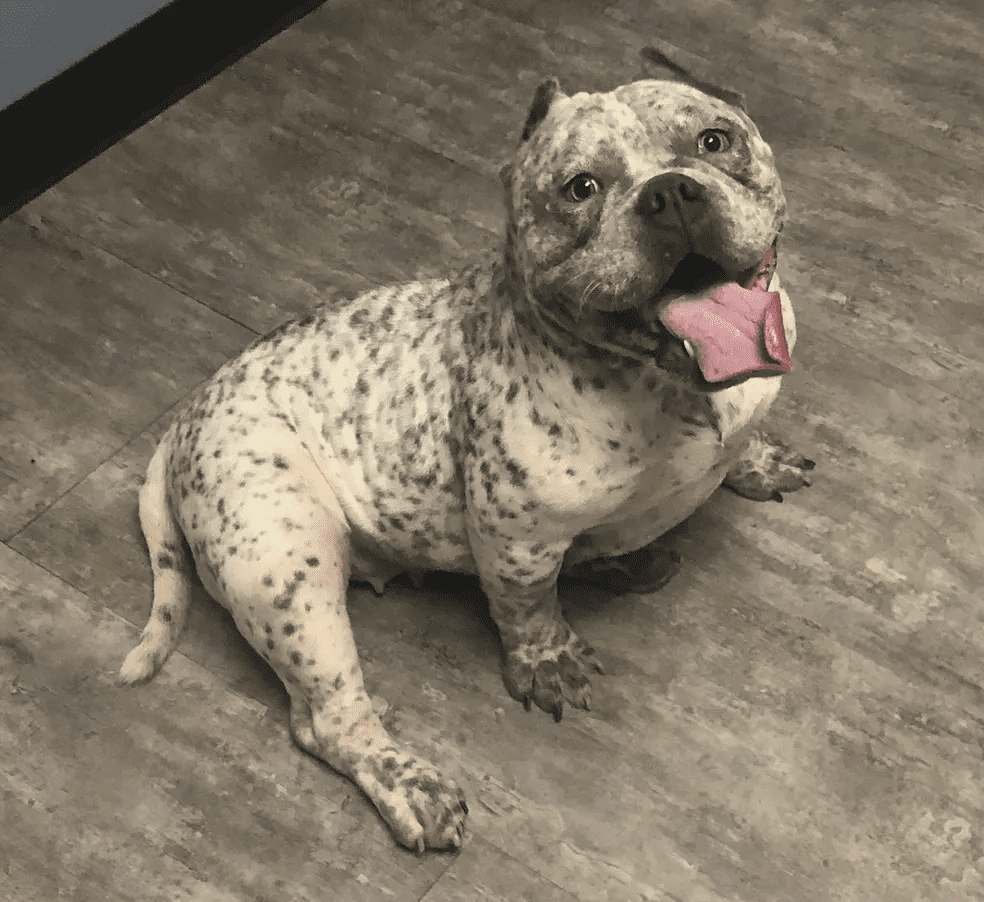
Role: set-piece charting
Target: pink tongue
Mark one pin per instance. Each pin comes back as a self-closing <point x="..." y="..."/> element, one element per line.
<point x="735" y="332"/>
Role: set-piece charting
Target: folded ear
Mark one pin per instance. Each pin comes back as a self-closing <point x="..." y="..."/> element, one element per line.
<point x="544" y="96"/>
<point x="658" y="65"/>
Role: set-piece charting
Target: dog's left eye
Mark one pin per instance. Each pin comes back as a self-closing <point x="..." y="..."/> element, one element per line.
<point x="714" y="140"/>
<point x="581" y="187"/>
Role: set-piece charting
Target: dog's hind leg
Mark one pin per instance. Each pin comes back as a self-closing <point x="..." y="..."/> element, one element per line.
<point x="286" y="589"/>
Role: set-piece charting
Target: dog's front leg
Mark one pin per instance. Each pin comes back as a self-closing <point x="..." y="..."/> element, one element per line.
<point x="545" y="662"/>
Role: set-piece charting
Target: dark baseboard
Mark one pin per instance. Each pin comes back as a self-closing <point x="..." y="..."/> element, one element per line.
<point x="64" y="123"/>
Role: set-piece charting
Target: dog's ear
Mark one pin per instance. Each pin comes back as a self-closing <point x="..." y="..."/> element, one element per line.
<point x="544" y="96"/>
<point x="658" y="65"/>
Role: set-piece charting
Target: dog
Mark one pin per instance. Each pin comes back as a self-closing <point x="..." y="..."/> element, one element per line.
<point x="557" y="406"/>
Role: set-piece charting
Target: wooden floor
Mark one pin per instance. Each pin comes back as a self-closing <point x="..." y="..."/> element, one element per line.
<point x="798" y="716"/>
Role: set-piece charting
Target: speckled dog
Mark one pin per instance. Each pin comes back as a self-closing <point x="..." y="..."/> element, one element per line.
<point x="532" y="414"/>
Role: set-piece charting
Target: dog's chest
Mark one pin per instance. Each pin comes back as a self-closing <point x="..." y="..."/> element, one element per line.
<point x="606" y="450"/>
<point x="601" y="452"/>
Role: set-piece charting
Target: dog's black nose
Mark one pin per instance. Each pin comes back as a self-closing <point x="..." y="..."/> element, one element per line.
<point x="671" y="199"/>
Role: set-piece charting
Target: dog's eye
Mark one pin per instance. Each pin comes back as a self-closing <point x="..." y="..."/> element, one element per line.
<point x="581" y="187"/>
<point x="714" y="140"/>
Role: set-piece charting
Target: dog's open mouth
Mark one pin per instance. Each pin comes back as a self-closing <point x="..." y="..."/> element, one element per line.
<point x="694" y="275"/>
<point x="731" y="325"/>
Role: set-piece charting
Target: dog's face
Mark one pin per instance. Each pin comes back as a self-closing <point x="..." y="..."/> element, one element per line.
<point x="619" y="200"/>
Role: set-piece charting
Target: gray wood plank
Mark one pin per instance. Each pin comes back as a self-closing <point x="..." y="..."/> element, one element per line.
<point x="92" y="352"/>
<point x="799" y="715"/>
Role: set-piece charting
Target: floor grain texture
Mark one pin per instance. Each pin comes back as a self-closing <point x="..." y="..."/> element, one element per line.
<point x="798" y="716"/>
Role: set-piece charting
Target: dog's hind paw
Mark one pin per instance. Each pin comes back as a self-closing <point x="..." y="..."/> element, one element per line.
<point x="646" y="570"/>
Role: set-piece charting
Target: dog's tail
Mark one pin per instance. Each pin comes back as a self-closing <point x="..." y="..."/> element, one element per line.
<point x="172" y="567"/>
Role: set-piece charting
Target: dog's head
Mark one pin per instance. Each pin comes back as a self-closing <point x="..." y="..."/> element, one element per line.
<point x="620" y="201"/>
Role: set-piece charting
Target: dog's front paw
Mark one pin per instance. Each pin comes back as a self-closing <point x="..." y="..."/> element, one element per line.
<point x="549" y="675"/>
<point x="767" y="468"/>
<point x="425" y="809"/>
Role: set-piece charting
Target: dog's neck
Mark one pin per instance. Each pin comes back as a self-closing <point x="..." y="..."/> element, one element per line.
<point x="607" y="341"/>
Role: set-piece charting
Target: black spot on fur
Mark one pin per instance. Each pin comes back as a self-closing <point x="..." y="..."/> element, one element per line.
<point x="286" y="598"/>
<point x="361" y="386"/>
<point x="267" y="580"/>
<point x="295" y="658"/>
<point x="271" y="644"/>
<point x="513" y="391"/>
<point x="165" y="561"/>
<point x="517" y="474"/>
<point x="280" y="463"/>
<point x="614" y="445"/>
<point x="289" y="629"/>
<point x="166" y="615"/>
<point x="312" y="561"/>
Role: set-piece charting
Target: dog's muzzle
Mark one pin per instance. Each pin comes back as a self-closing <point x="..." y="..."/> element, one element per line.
<point x="735" y="332"/>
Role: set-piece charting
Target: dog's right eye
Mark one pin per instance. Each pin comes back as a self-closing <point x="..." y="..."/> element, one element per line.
<point x="581" y="187"/>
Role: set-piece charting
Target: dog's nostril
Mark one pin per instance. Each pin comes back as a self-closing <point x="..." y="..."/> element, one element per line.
<point x="690" y="190"/>
<point x="658" y="203"/>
